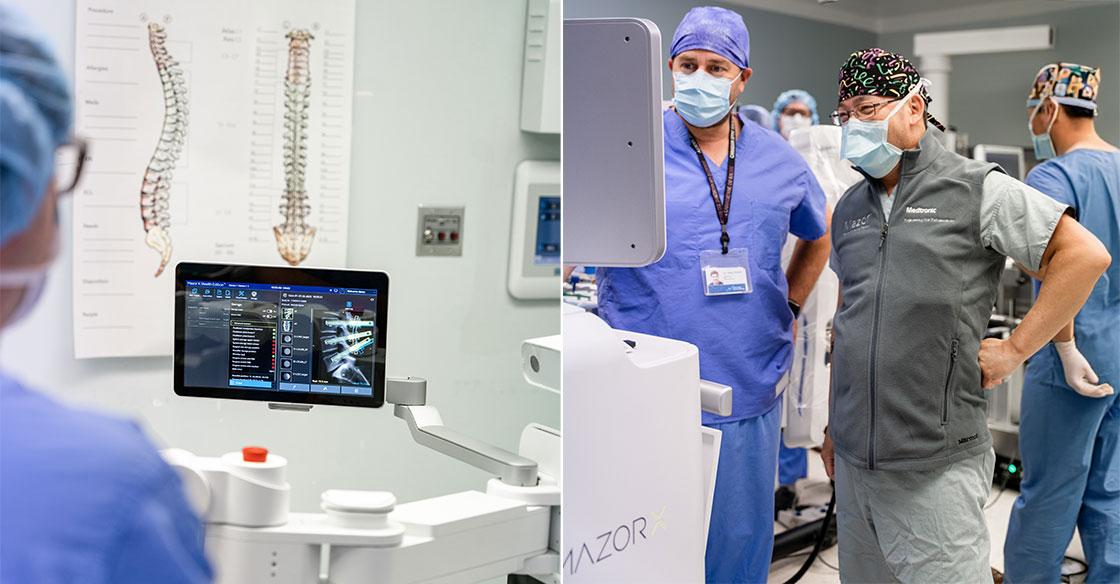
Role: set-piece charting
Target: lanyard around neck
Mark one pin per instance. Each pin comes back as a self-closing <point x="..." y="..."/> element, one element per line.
<point x="723" y="208"/>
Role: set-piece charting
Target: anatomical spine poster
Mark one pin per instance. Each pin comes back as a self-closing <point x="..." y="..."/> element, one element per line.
<point x="219" y="131"/>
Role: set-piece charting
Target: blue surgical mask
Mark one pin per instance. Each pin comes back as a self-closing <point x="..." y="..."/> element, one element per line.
<point x="865" y="143"/>
<point x="703" y="100"/>
<point x="1043" y="147"/>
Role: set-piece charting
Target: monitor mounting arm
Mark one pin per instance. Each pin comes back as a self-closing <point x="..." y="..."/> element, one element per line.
<point x="409" y="398"/>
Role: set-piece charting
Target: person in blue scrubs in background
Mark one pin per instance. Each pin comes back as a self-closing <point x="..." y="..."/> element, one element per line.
<point x="1070" y="425"/>
<point x="756" y="114"/>
<point x="84" y="497"/>
<point x="734" y="191"/>
<point x="794" y="109"/>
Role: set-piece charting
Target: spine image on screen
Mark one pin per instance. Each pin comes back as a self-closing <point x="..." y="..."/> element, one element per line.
<point x="347" y="339"/>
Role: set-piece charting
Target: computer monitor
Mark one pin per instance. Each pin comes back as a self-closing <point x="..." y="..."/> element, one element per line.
<point x="1010" y="158"/>
<point x="546" y="251"/>
<point x="301" y="335"/>
<point x="534" y="255"/>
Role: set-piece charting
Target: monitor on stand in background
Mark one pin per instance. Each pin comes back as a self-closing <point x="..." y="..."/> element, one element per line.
<point x="1010" y="158"/>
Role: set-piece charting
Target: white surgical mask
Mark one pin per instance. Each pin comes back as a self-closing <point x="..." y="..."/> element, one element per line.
<point x="789" y="123"/>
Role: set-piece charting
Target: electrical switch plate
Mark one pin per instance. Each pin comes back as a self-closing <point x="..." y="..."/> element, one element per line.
<point x="439" y="231"/>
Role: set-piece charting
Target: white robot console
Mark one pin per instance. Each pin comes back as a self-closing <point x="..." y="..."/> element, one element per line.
<point x="364" y="536"/>
<point x="309" y="337"/>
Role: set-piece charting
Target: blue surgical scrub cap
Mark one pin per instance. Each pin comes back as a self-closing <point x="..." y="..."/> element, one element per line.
<point x="714" y="29"/>
<point x="788" y="97"/>
<point x="35" y="115"/>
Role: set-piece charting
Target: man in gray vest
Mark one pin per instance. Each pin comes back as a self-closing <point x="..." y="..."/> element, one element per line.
<point x="919" y="247"/>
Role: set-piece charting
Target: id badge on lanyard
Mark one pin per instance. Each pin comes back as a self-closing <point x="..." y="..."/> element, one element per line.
<point x="726" y="271"/>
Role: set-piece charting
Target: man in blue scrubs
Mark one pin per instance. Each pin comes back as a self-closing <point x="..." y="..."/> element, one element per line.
<point x="83" y="497"/>
<point x="1070" y="425"/>
<point x="734" y="191"/>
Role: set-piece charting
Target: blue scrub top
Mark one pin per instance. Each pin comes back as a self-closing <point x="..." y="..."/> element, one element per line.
<point x="1089" y="182"/>
<point x="744" y="340"/>
<point x="86" y="498"/>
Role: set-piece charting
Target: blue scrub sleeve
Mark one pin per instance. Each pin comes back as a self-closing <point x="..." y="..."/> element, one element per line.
<point x="807" y="220"/>
<point x="1052" y="182"/>
<point x="162" y="541"/>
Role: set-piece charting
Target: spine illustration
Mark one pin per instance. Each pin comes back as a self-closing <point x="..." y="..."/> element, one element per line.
<point x="294" y="235"/>
<point x="155" y="191"/>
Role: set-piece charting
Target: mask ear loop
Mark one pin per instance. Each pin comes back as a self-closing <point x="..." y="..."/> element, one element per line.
<point x="1048" y="96"/>
<point x="1055" y="116"/>
<point x="922" y="82"/>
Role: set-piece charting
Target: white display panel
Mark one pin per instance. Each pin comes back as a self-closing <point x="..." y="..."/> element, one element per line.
<point x="614" y="176"/>
<point x="534" y="252"/>
<point x="201" y="106"/>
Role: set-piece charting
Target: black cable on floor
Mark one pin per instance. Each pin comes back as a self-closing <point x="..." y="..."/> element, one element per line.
<point x="1082" y="568"/>
<point x="820" y="539"/>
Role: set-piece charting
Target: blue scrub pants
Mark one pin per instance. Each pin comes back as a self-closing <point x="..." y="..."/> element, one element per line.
<point x="793" y="464"/>
<point x="1071" y="477"/>
<point x="741" y="533"/>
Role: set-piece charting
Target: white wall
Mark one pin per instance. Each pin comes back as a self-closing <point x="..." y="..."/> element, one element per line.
<point x="436" y="109"/>
<point x="997" y="112"/>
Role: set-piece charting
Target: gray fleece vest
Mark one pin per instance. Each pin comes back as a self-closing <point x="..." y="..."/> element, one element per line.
<point x="918" y="290"/>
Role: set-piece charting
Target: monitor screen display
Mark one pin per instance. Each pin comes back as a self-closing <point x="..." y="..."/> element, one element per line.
<point x="281" y="334"/>
<point x="547" y="248"/>
<point x="1009" y="163"/>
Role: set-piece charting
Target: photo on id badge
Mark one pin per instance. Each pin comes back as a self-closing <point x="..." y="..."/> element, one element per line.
<point x="723" y="274"/>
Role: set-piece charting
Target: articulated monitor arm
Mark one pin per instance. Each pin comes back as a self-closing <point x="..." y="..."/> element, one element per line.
<point x="409" y="398"/>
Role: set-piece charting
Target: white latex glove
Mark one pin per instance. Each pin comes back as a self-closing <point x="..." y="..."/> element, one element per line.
<point x="1079" y="374"/>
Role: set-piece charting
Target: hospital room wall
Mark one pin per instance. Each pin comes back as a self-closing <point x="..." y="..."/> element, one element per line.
<point x="786" y="51"/>
<point x="987" y="93"/>
<point x="987" y="96"/>
<point x="436" y="110"/>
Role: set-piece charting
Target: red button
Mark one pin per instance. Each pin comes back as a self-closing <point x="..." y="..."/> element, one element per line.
<point x="454" y="236"/>
<point x="442" y="235"/>
<point x="254" y="454"/>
